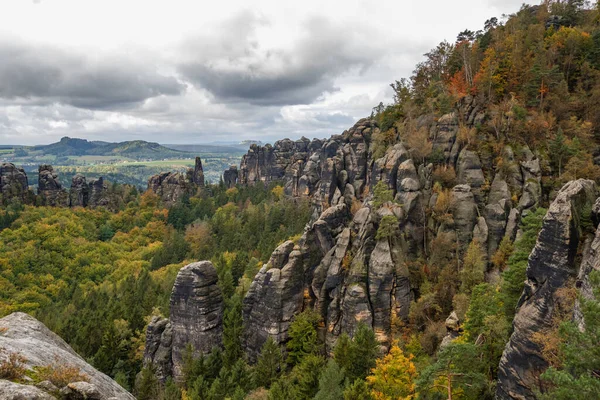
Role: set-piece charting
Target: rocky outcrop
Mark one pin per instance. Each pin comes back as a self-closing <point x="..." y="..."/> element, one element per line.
<point x="198" y="176"/>
<point x="551" y="266"/>
<point x="313" y="168"/>
<point x="99" y="195"/>
<point x="274" y="298"/>
<point x="29" y="338"/>
<point x="339" y="268"/>
<point x="230" y="176"/>
<point x="79" y="195"/>
<point x="195" y="319"/>
<point x="50" y="189"/>
<point x="16" y="391"/>
<point x="13" y="183"/>
<point x="171" y="187"/>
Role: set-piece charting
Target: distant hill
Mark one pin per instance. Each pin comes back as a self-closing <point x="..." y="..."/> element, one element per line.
<point x="136" y="149"/>
<point x="210" y="148"/>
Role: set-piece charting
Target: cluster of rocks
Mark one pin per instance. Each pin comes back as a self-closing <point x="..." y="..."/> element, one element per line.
<point x="172" y="186"/>
<point x="342" y="268"/>
<point x="38" y="347"/>
<point x="13" y="184"/>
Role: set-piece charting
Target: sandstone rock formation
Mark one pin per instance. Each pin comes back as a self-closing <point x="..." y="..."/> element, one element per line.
<point x="551" y="265"/>
<point x="338" y="267"/>
<point x="99" y="195"/>
<point x="195" y="319"/>
<point x="24" y="335"/>
<point x="172" y="186"/>
<point x="50" y="189"/>
<point x="230" y="176"/>
<point x="198" y="177"/>
<point x="79" y="195"/>
<point x="13" y="183"/>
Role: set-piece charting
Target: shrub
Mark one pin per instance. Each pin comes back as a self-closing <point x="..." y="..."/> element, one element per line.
<point x="13" y="367"/>
<point x="60" y="375"/>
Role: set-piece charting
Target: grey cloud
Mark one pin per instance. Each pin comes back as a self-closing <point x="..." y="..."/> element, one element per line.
<point x="45" y="75"/>
<point x="235" y="69"/>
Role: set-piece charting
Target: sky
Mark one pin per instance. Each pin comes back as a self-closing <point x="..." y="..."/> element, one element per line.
<point x="194" y="71"/>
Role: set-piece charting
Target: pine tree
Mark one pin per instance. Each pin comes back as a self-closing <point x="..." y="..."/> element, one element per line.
<point x="269" y="365"/>
<point x="363" y="353"/>
<point x="358" y="390"/>
<point x="147" y="388"/>
<point x="172" y="391"/>
<point x="232" y="331"/>
<point x="473" y="268"/>
<point x="458" y="369"/>
<point x="331" y="382"/>
<point x="306" y="375"/>
<point x="303" y="338"/>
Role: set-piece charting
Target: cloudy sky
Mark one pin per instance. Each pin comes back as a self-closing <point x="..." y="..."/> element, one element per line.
<point x="193" y="71"/>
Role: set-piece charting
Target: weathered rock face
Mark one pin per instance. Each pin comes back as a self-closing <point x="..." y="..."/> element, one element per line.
<point x="551" y="265"/>
<point x="13" y="183"/>
<point x="313" y="168"/>
<point x="28" y="337"/>
<point x="196" y="320"/>
<point x="50" y="189"/>
<point x="198" y="177"/>
<point x="339" y="268"/>
<point x="98" y="193"/>
<point x="230" y="176"/>
<point x="79" y="194"/>
<point x="275" y="296"/>
<point x="196" y="311"/>
<point x="170" y="186"/>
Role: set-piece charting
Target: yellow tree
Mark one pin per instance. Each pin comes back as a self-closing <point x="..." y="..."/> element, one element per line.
<point x="393" y="377"/>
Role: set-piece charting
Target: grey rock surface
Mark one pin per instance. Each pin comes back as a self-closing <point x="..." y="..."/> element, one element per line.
<point x="550" y="266"/>
<point x="28" y="337"/>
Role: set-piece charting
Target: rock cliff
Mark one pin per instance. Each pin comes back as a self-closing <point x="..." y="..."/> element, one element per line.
<point x="50" y="189"/>
<point x="195" y="319"/>
<point x="13" y="183"/>
<point x="23" y="335"/>
<point x="173" y="186"/>
<point x="551" y="267"/>
<point x="341" y="266"/>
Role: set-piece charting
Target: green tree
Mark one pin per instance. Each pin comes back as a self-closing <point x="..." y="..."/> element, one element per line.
<point x="578" y="378"/>
<point x="358" y="390"/>
<point x="514" y="276"/>
<point x="382" y="194"/>
<point x="284" y="389"/>
<point x="364" y="351"/>
<point x="458" y="368"/>
<point x="269" y="365"/>
<point x="473" y="268"/>
<point x="232" y="331"/>
<point x="560" y="151"/>
<point x="148" y="387"/>
<point x="172" y="391"/>
<point x="306" y="375"/>
<point x="303" y="339"/>
<point x="388" y="227"/>
<point x="331" y="382"/>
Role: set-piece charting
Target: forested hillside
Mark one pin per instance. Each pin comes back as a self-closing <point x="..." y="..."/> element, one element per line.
<point x="95" y="277"/>
<point x="446" y="247"/>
